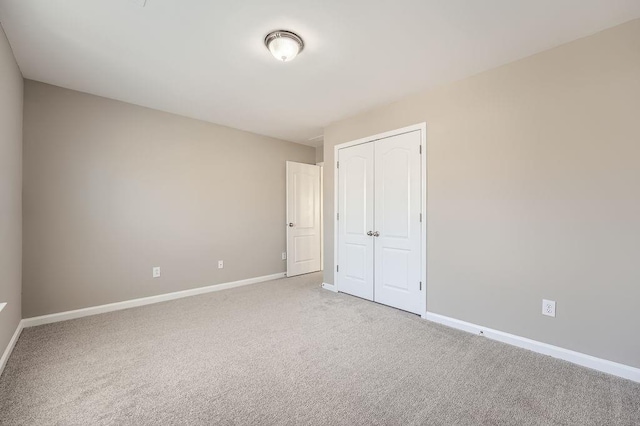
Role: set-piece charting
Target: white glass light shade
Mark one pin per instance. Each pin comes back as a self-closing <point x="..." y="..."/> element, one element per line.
<point x="284" y="49"/>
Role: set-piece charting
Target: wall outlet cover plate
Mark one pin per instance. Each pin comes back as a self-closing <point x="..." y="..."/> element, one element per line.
<point x="548" y="307"/>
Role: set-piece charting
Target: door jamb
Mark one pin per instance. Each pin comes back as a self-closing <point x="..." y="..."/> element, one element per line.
<point x="422" y="127"/>
<point x="321" y="165"/>
<point x="286" y="214"/>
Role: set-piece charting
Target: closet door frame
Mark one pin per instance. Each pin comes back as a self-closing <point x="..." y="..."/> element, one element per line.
<point x="422" y="127"/>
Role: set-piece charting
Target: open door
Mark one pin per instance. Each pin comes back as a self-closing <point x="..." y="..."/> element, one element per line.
<point x="303" y="219"/>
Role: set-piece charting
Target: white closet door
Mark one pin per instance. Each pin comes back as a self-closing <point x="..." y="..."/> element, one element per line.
<point x="303" y="217"/>
<point x="355" y="210"/>
<point x="397" y="222"/>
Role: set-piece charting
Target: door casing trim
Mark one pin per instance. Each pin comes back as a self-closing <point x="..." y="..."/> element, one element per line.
<point x="422" y="127"/>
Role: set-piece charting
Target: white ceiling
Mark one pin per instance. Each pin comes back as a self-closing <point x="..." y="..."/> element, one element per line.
<point x="206" y="59"/>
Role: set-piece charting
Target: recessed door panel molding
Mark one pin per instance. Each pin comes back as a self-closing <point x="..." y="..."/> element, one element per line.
<point x="355" y="169"/>
<point x="380" y="218"/>
<point x="395" y="221"/>
<point x="303" y="248"/>
<point x="355" y="266"/>
<point x="355" y="220"/>
<point x="303" y="219"/>
<point x="395" y="270"/>
<point x="305" y="182"/>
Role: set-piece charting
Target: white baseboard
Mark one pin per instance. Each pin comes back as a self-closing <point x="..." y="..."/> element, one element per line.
<point x="10" y="346"/>
<point x="95" y="310"/>
<point x="606" y="366"/>
<point x="329" y="287"/>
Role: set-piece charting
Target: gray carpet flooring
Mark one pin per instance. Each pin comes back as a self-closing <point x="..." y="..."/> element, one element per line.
<point x="289" y="352"/>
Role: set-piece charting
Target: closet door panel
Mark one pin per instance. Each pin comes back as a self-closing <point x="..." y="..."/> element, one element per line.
<point x="355" y="210"/>
<point x="397" y="222"/>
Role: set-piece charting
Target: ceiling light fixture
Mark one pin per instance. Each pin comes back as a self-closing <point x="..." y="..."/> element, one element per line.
<point x="284" y="45"/>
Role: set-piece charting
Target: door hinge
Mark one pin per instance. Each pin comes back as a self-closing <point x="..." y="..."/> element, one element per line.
<point x="337" y="268"/>
<point x="420" y="285"/>
<point x="420" y="149"/>
<point x="337" y="216"/>
<point x="337" y="164"/>
<point x="420" y="217"/>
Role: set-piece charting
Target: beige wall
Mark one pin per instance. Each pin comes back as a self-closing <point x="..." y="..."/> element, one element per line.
<point x="112" y="189"/>
<point x="320" y="154"/>
<point x="10" y="192"/>
<point x="533" y="192"/>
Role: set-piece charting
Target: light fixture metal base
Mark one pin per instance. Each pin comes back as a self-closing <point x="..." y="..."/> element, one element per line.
<point x="284" y="33"/>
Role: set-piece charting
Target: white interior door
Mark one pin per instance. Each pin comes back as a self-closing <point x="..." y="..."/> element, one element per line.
<point x="303" y="218"/>
<point x="397" y="221"/>
<point x="355" y="220"/>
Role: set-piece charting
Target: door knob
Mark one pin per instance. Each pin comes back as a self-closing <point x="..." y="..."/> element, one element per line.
<point x="376" y="234"/>
<point x="290" y="225"/>
<point x="370" y="233"/>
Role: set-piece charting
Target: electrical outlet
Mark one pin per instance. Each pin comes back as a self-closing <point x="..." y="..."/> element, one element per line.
<point x="156" y="272"/>
<point x="284" y="255"/>
<point x="548" y="308"/>
<point x="220" y="264"/>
